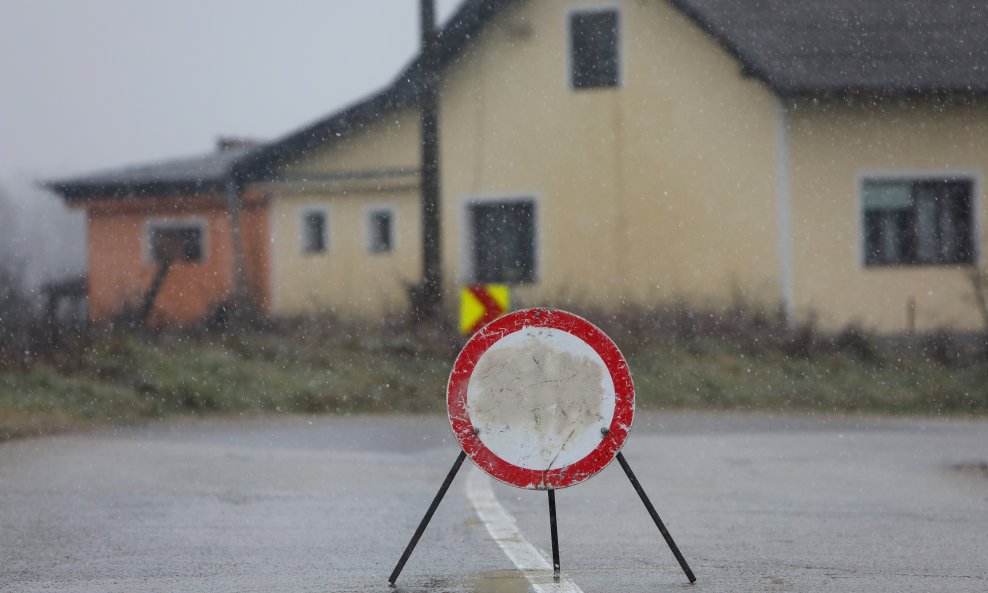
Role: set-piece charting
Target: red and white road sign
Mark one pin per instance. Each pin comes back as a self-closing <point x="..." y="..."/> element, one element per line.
<point x="541" y="399"/>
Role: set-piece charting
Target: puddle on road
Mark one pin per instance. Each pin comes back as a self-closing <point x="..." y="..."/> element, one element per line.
<point x="502" y="581"/>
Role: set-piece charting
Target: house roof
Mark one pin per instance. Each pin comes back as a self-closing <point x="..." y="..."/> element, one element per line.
<point x="196" y="174"/>
<point x="846" y="47"/>
<point x="796" y="47"/>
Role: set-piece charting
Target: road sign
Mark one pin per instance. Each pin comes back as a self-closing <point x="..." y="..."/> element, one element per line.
<point x="481" y="304"/>
<point x="541" y="399"/>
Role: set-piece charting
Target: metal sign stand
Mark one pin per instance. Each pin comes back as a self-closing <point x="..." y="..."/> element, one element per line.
<point x="555" y="536"/>
<point x="596" y="378"/>
<point x="552" y="521"/>
<point x="655" y="517"/>
<point x="428" y="517"/>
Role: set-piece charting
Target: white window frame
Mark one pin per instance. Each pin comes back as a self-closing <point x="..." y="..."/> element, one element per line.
<point x="176" y="222"/>
<point x="467" y="272"/>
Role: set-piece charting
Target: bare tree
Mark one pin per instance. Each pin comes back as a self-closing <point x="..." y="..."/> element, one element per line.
<point x="8" y="226"/>
<point x="16" y="310"/>
<point x="16" y="315"/>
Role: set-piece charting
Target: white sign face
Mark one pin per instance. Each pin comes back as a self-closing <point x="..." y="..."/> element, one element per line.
<point x="541" y="398"/>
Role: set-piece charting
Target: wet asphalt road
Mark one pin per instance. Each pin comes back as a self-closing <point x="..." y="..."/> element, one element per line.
<point x="757" y="503"/>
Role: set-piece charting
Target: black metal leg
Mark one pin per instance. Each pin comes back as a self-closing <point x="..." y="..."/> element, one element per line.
<point x="427" y="517"/>
<point x="655" y="517"/>
<point x="555" y="536"/>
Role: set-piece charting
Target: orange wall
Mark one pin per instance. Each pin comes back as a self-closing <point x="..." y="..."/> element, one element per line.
<point x="255" y="236"/>
<point x="120" y="269"/>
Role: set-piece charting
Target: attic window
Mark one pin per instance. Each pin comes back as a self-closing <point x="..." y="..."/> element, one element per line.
<point x="176" y="242"/>
<point x="594" y="49"/>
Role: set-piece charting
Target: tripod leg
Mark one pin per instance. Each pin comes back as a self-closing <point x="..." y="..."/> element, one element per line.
<point x="555" y="536"/>
<point x="427" y="517"/>
<point x="655" y="517"/>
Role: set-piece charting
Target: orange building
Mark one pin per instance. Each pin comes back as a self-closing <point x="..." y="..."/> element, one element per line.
<point x="187" y="212"/>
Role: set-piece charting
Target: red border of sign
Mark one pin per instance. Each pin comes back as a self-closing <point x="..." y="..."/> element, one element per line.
<point x="596" y="460"/>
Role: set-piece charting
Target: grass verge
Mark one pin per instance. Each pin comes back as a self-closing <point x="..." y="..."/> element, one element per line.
<point x="318" y="366"/>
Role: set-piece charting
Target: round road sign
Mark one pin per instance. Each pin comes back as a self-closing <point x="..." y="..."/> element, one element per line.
<point x="541" y="399"/>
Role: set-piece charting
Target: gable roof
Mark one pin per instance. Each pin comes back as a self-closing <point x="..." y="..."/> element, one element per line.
<point x="796" y="47"/>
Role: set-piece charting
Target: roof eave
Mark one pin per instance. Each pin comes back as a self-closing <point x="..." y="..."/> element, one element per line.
<point x="74" y="193"/>
<point x="878" y="92"/>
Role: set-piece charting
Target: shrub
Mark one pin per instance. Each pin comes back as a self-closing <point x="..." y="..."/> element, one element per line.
<point x="20" y="330"/>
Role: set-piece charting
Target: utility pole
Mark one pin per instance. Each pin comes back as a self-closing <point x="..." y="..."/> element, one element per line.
<point x="429" y="301"/>
<point x="231" y="192"/>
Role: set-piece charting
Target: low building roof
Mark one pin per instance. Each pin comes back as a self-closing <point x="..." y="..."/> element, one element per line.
<point x="183" y="176"/>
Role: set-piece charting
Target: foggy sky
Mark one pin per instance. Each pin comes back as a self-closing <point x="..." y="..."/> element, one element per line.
<point x="96" y="84"/>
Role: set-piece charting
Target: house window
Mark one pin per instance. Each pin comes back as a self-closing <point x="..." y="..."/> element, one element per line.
<point x="594" y="49"/>
<point x="503" y="241"/>
<point x="381" y="230"/>
<point x="176" y="242"/>
<point x="918" y="221"/>
<point x="313" y="231"/>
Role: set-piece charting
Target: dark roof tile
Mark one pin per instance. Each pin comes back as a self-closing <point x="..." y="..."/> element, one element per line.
<point x="889" y="47"/>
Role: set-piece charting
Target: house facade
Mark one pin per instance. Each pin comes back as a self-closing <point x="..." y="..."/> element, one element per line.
<point x="569" y="194"/>
<point x="597" y="153"/>
<point x="887" y="208"/>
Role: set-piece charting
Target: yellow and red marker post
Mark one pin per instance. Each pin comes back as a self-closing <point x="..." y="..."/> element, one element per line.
<point x="481" y="304"/>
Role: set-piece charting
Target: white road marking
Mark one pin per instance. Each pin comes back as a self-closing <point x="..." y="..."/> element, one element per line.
<point x="502" y="527"/>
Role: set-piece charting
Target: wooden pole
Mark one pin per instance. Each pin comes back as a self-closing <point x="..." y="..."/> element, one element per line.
<point x="429" y="303"/>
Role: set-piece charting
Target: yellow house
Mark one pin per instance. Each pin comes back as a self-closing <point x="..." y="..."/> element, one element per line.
<point x="823" y="157"/>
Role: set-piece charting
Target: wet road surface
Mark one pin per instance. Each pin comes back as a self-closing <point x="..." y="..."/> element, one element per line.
<point x="756" y="503"/>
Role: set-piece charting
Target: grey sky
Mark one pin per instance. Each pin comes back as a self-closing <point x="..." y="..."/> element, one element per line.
<point x="100" y="83"/>
<point x="95" y="84"/>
